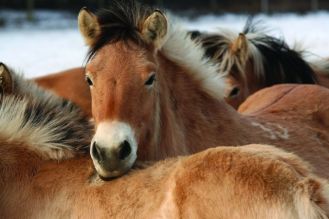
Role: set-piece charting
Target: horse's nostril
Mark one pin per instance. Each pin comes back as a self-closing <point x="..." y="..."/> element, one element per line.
<point x="124" y="150"/>
<point x="96" y="152"/>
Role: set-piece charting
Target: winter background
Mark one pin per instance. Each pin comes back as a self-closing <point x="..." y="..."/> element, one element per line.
<point x="52" y="42"/>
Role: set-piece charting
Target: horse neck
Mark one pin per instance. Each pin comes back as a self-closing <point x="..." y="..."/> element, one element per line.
<point x="191" y="120"/>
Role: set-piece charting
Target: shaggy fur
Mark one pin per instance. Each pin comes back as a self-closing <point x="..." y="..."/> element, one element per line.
<point x="253" y="181"/>
<point x="52" y="126"/>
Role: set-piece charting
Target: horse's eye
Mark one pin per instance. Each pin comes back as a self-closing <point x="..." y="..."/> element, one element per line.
<point x="150" y="80"/>
<point x="234" y="92"/>
<point x="89" y="81"/>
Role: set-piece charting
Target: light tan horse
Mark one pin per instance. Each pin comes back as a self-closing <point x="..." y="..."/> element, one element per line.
<point x="253" y="60"/>
<point x="154" y="95"/>
<point x="39" y="130"/>
<point x="69" y="84"/>
<point x="253" y="181"/>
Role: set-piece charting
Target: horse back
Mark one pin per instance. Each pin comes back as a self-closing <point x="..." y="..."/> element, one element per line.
<point x="309" y="102"/>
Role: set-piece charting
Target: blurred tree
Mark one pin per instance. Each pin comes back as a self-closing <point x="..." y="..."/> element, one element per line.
<point x="213" y="4"/>
<point x="30" y="10"/>
<point x="314" y="5"/>
<point x="264" y="6"/>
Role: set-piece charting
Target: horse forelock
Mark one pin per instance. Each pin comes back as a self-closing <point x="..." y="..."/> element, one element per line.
<point x="51" y="126"/>
<point x="122" y="20"/>
<point x="218" y="48"/>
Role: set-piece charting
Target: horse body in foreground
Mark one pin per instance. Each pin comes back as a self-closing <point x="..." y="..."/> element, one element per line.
<point x="253" y="181"/>
<point x="42" y="131"/>
<point x="154" y="95"/>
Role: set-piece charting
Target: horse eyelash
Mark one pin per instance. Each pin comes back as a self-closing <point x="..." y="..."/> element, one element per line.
<point x="150" y="80"/>
<point x="89" y="81"/>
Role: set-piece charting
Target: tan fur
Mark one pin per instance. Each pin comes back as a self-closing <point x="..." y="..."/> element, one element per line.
<point x="88" y="25"/>
<point x="69" y="84"/>
<point x="6" y="81"/>
<point x="240" y="48"/>
<point x="253" y="181"/>
<point x="155" y="29"/>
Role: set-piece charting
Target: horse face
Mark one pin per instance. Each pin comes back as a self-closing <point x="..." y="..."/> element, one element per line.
<point x="240" y="88"/>
<point x="122" y="78"/>
<point x="123" y="90"/>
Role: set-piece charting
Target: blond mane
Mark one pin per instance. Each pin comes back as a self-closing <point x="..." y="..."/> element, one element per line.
<point x="51" y="126"/>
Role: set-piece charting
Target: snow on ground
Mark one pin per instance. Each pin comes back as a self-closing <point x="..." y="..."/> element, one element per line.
<point x="53" y="43"/>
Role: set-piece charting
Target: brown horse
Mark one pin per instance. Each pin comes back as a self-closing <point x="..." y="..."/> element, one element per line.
<point x="253" y="60"/>
<point x="38" y="129"/>
<point x="69" y="84"/>
<point x="154" y="95"/>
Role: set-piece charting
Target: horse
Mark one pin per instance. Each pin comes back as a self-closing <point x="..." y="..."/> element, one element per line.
<point x="253" y="60"/>
<point x="69" y="84"/>
<point x="45" y="172"/>
<point x="155" y="95"/>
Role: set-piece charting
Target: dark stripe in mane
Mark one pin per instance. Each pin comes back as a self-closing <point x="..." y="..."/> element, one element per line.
<point x="66" y="119"/>
<point x="215" y="45"/>
<point x="122" y="20"/>
<point x="63" y="123"/>
<point x="281" y="63"/>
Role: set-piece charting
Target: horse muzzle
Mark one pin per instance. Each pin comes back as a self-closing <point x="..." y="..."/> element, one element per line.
<point x="113" y="149"/>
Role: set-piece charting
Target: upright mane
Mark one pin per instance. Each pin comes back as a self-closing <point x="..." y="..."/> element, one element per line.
<point x="273" y="60"/>
<point x="51" y="126"/>
<point x="123" y="20"/>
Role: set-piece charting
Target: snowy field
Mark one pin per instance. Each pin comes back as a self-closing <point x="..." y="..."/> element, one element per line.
<point x="53" y="43"/>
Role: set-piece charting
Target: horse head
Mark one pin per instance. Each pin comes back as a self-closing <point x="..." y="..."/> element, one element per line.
<point x="122" y="76"/>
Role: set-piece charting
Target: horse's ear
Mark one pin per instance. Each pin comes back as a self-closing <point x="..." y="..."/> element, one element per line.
<point x="88" y="26"/>
<point x="240" y="47"/>
<point x="6" y="82"/>
<point x="155" y="28"/>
